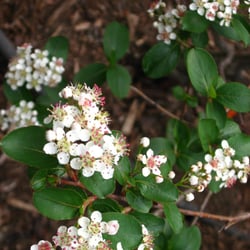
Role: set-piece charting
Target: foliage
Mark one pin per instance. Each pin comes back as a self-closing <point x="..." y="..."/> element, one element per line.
<point x="79" y="166"/>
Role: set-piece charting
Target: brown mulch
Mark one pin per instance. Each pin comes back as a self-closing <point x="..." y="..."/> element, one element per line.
<point x="83" y="23"/>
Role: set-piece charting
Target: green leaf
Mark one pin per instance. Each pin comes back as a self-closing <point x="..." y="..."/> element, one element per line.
<point x="91" y="74"/>
<point x="161" y="192"/>
<point x="15" y="96"/>
<point x="235" y="96"/>
<point x="50" y="95"/>
<point x="129" y="233"/>
<point x="26" y="145"/>
<point x="187" y="157"/>
<point x="106" y="205"/>
<point x="58" y="46"/>
<point x="161" y="59"/>
<point x="115" y="41"/>
<point x="208" y="132"/>
<point x="97" y="185"/>
<point x="39" y="179"/>
<point x="153" y="223"/>
<point x="173" y="216"/>
<point x="228" y="32"/>
<point x="119" y="80"/>
<point x="137" y="201"/>
<point x="58" y="203"/>
<point x="231" y="128"/>
<point x="241" y="30"/>
<point x="161" y="145"/>
<point x="241" y="144"/>
<point x="181" y="95"/>
<point x="193" y="22"/>
<point x="189" y="238"/>
<point x="200" y="39"/>
<point x="202" y="71"/>
<point x="122" y="170"/>
<point x="216" y="111"/>
<point x="214" y="185"/>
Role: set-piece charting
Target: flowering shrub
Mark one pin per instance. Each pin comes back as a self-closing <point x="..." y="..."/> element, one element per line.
<point x="81" y="168"/>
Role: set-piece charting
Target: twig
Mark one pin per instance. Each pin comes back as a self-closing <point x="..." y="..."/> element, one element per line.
<point x="21" y="205"/>
<point x="231" y="220"/>
<point x="152" y="102"/>
<point x="203" y="206"/>
<point x="71" y="183"/>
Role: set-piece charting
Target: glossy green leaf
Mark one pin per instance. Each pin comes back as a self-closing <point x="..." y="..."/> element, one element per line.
<point x="50" y="95"/>
<point x="208" y="132"/>
<point x="97" y="185"/>
<point x="122" y="170"/>
<point x="187" y="157"/>
<point x="161" y="192"/>
<point x="39" y="179"/>
<point x="115" y="41"/>
<point x="214" y="186"/>
<point x="202" y="71"/>
<point x="235" y="96"/>
<point x="153" y="223"/>
<point x="161" y="59"/>
<point x="119" y="80"/>
<point x="173" y="216"/>
<point x="231" y="128"/>
<point x="216" y="111"/>
<point x="106" y="205"/>
<point x="193" y="22"/>
<point x="58" y="46"/>
<point x="129" y="233"/>
<point x="58" y="203"/>
<point x="189" y="238"/>
<point x="241" y="144"/>
<point x="200" y="39"/>
<point x="91" y="74"/>
<point x="241" y="30"/>
<point x="137" y="201"/>
<point x="228" y="32"/>
<point x="26" y="145"/>
<point x="161" y="145"/>
<point x="15" y="96"/>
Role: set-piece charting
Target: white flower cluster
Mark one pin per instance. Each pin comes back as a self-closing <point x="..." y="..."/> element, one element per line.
<point x="18" y="116"/>
<point x="226" y="170"/>
<point x="151" y="162"/>
<point x="34" y="69"/>
<point x="223" y="9"/>
<point x="80" y="135"/>
<point x="147" y="240"/>
<point x="88" y="235"/>
<point x="167" y="21"/>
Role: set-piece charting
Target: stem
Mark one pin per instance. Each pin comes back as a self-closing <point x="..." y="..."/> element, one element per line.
<point x="152" y="102"/>
<point x="71" y="183"/>
<point x="230" y="219"/>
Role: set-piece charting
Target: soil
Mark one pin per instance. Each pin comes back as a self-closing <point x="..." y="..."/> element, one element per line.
<point x="83" y="23"/>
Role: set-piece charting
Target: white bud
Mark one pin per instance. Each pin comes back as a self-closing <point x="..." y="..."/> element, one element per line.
<point x="189" y="197"/>
<point x="145" y="141"/>
<point x="171" y="175"/>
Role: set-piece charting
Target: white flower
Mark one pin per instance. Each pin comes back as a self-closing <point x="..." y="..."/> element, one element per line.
<point x="152" y="162"/>
<point x="112" y="227"/>
<point x="189" y="197"/>
<point x="145" y="141"/>
<point x="171" y="175"/>
<point x="119" y="246"/>
<point x="63" y="158"/>
<point x="50" y="148"/>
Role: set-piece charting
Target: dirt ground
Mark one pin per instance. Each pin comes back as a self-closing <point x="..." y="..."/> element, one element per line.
<point x="83" y="23"/>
